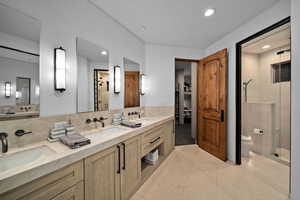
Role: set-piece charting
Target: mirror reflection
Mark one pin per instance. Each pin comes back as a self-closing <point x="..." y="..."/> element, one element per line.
<point x="132" y="83"/>
<point x="19" y="65"/>
<point x="93" y="77"/>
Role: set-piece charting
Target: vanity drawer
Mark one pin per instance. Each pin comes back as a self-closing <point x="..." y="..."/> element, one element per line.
<point x="49" y="186"/>
<point x="74" y="193"/>
<point x="152" y="139"/>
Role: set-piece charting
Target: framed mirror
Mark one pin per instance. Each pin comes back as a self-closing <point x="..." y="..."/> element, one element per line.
<point x="93" y="77"/>
<point x="132" y="83"/>
<point x="19" y="65"/>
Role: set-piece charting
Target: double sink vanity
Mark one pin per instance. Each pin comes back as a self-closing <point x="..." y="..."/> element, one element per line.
<point x="80" y="80"/>
<point x="111" y="167"/>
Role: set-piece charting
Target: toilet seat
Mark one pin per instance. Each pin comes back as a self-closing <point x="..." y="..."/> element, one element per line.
<point x="246" y="145"/>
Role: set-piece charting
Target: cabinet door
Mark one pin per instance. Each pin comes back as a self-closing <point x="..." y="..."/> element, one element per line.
<point x="73" y="193"/>
<point x="102" y="177"/>
<point x="168" y="137"/>
<point x="49" y="186"/>
<point x="131" y="167"/>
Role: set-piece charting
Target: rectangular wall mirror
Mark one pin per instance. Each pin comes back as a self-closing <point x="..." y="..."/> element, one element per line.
<point x="19" y="65"/>
<point x="132" y="83"/>
<point x="93" y="77"/>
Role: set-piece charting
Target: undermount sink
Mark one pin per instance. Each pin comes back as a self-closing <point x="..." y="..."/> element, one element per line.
<point x="25" y="157"/>
<point x="112" y="131"/>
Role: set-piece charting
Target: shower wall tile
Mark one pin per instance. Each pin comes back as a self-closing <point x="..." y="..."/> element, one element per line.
<point x="260" y="115"/>
<point x="263" y="90"/>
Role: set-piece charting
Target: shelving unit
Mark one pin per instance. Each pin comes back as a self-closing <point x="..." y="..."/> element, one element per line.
<point x="187" y="98"/>
<point x="184" y="95"/>
<point x="147" y="169"/>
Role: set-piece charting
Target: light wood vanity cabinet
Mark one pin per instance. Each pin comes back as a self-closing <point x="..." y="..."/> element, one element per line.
<point x="102" y="175"/>
<point x="152" y="139"/>
<point x="169" y="137"/>
<point x="73" y="193"/>
<point x="65" y="183"/>
<point x="115" y="173"/>
<point x="131" y="174"/>
<point x="112" y="174"/>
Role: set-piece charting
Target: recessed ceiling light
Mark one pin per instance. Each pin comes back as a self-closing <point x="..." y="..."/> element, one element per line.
<point x="209" y="12"/>
<point x="104" y="52"/>
<point x="266" y="46"/>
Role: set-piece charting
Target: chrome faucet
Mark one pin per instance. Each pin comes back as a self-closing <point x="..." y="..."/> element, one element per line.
<point x="3" y="138"/>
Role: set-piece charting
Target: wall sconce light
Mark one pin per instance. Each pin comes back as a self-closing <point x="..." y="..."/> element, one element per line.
<point x="117" y="79"/>
<point x="142" y="84"/>
<point x="7" y="89"/>
<point x="60" y="69"/>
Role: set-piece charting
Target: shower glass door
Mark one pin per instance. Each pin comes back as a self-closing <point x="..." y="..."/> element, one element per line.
<point x="281" y="71"/>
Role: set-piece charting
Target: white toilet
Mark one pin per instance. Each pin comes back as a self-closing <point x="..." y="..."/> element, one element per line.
<point x="246" y="145"/>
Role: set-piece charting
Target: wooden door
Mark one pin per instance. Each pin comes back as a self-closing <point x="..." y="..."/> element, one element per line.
<point x="132" y="89"/>
<point x="212" y="104"/>
<point x="131" y="167"/>
<point x="102" y="175"/>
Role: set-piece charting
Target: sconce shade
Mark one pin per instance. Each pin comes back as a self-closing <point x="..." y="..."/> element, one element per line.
<point x="117" y="79"/>
<point x="60" y="69"/>
<point x="7" y="89"/>
<point x="142" y="84"/>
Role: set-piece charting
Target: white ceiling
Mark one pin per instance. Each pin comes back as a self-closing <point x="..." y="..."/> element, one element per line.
<point x="91" y="51"/>
<point x="276" y="38"/>
<point x="182" y="22"/>
<point x="18" y="24"/>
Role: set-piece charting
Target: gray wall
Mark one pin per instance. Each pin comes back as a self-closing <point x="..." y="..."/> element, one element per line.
<point x="295" y="99"/>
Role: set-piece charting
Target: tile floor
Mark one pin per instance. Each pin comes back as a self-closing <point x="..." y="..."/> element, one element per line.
<point x="284" y="154"/>
<point x="190" y="173"/>
<point x="183" y="134"/>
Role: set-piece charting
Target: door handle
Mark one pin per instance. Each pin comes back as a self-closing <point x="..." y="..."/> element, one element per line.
<point x="222" y="116"/>
<point x="119" y="159"/>
<point x="155" y="140"/>
<point x="124" y="158"/>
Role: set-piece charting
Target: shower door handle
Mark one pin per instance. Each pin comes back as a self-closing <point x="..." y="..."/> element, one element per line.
<point x="222" y="116"/>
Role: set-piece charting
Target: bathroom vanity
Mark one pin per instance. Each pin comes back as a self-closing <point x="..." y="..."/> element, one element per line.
<point x="111" y="167"/>
<point x="86" y="89"/>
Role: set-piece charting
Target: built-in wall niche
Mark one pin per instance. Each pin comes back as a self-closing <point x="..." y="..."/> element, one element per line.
<point x="93" y="80"/>
<point x="19" y="65"/>
<point x="132" y="87"/>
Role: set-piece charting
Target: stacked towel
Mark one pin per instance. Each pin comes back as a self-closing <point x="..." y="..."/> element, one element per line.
<point x="131" y="124"/>
<point x="75" y="140"/>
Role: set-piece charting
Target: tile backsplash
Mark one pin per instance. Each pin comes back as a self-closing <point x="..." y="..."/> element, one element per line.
<point x="19" y="108"/>
<point x="40" y="126"/>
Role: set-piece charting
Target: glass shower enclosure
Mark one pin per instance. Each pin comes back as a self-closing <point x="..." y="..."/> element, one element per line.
<point x="266" y="84"/>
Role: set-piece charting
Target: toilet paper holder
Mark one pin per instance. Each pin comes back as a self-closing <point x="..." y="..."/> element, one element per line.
<point x="258" y="131"/>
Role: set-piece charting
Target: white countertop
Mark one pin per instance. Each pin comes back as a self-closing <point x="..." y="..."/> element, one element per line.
<point x="64" y="156"/>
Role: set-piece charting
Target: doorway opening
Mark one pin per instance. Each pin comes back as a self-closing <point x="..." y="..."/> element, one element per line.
<point x="185" y="101"/>
<point x="263" y="101"/>
<point x="101" y="89"/>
